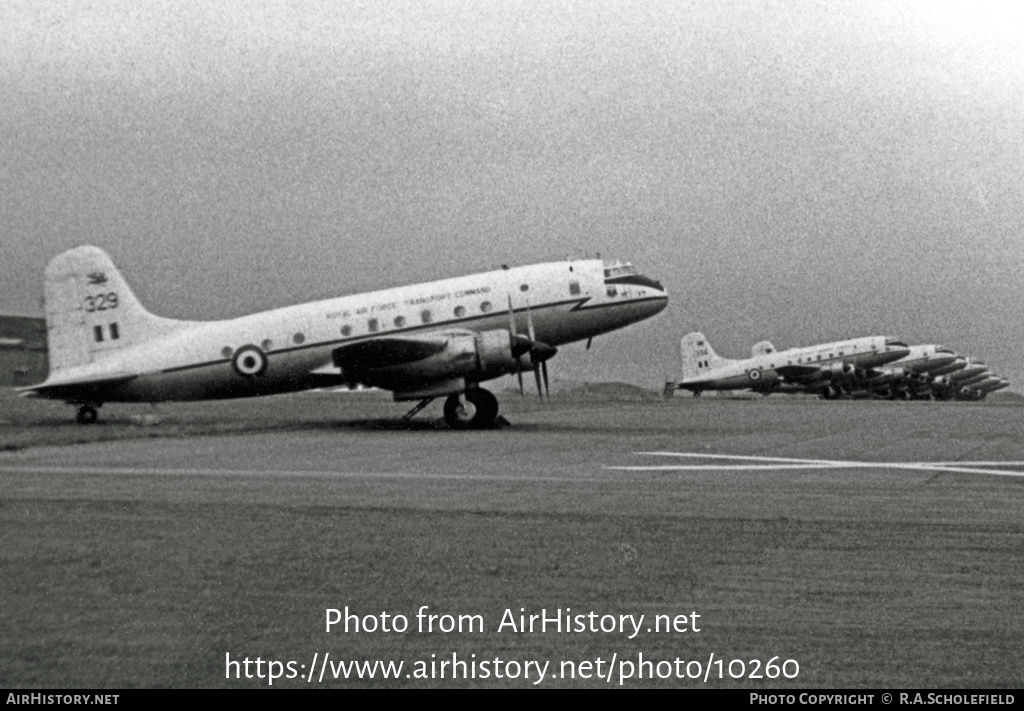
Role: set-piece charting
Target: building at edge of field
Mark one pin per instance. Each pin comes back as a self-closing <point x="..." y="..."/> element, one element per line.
<point x="23" y="358"/>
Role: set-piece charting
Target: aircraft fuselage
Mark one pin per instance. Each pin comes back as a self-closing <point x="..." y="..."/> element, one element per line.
<point x="562" y="301"/>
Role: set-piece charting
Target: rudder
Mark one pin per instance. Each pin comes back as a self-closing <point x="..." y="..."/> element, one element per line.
<point x="91" y="313"/>
<point x="697" y="355"/>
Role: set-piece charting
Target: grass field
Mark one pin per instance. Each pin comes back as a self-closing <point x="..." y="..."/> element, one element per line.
<point x="141" y="551"/>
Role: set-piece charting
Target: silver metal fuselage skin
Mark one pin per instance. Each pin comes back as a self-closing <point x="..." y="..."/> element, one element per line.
<point x="564" y="302"/>
<point x="760" y="372"/>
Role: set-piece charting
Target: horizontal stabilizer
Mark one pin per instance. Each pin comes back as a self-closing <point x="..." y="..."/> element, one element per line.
<point x="83" y="389"/>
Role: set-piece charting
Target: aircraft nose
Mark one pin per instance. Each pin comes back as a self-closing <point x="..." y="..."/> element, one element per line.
<point x="658" y="301"/>
<point x="657" y="286"/>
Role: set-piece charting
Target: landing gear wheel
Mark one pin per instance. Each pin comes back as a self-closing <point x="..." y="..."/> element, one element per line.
<point x="86" y="415"/>
<point x="479" y="410"/>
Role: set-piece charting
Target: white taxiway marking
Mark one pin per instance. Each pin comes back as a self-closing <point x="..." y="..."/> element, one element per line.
<point x="768" y="463"/>
<point x="249" y="473"/>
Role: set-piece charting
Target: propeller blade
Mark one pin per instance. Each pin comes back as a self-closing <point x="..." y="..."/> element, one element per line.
<point x="518" y="347"/>
<point x="536" y="374"/>
<point x="529" y="322"/>
<point x="511" y="317"/>
<point x="544" y="370"/>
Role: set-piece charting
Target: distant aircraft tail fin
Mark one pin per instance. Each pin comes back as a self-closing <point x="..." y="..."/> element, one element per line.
<point x="91" y="313"/>
<point x="762" y="348"/>
<point x="698" y="355"/>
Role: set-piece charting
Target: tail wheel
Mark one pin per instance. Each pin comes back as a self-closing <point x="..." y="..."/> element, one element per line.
<point x="475" y="409"/>
<point x="86" y="415"/>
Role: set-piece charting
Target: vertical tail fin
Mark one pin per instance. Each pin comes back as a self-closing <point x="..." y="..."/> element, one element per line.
<point x="761" y="348"/>
<point x="91" y="313"/>
<point x="697" y="354"/>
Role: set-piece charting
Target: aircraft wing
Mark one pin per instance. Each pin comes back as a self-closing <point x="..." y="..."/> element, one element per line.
<point x="437" y="362"/>
<point x="799" y="373"/>
<point x="387" y="351"/>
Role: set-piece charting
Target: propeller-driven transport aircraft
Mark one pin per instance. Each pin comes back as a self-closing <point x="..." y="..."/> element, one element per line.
<point x="979" y="391"/>
<point x="829" y="368"/>
<point x="913" y="376"/>
<point x="421" y="342"/>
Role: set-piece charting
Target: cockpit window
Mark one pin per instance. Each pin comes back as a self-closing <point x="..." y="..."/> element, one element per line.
<point x="626" y="274"/>
<point x="617" y="269"/>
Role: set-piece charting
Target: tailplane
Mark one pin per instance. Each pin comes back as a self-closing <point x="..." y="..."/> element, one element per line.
<point x="91" y="313"/>
<point x="698" y="355"/>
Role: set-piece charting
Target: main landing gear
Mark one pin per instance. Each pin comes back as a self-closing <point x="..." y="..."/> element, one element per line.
<point x="475" y="409"/>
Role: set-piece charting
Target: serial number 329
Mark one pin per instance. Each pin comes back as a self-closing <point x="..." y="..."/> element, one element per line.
<point x="101" y="302"/>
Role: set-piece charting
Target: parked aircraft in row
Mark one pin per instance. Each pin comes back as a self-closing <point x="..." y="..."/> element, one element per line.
<point x="439" y="339"/>
<point x="873" y="366"/>
<point x="824" y="368"/>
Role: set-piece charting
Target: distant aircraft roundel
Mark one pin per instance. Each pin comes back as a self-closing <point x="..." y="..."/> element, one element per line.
<point x="754" y="374"/>
<point x="249" y="361"/>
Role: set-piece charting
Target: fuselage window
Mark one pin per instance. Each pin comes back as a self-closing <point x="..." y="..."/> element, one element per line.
<point x="524" y="287"/>
<point x="97" y="332"/>
<point x="226" y="352"/>
<point x="372" y="325"/>
<point x="267" y="344"/>
<point x="612" y="291"/>
<point x="486" y="307"/>
<point x="399" y="321"/>
<point x="346" y="330"/>
<point x="113" y="332"/>
<point x="460" y="311"/>
<point x="574" y="288"/>
<point x="298" y="339"/>
<point x="425" y="316"/>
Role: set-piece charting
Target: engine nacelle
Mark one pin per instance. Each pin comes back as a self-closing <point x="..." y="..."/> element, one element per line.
<point x="842" y="371"/>
<point x="494" y="355"/>
<point x="411" y="362"/>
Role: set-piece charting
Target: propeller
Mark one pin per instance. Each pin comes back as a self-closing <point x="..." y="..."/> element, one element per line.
<point x="517" y="345"/>
<point x="539" y="352"/>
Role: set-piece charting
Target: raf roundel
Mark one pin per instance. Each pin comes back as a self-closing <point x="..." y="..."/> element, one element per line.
<point x="754" y="374"/>
<point x="249" y="361"/>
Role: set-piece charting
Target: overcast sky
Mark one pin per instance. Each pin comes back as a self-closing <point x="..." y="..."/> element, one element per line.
<point x="794" y="171"/>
